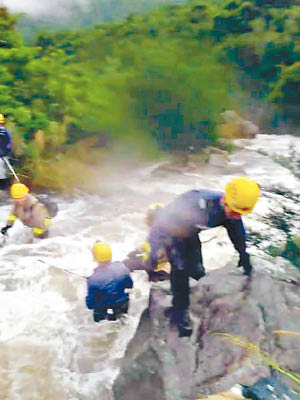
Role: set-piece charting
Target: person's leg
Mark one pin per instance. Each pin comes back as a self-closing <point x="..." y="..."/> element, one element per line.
<point x="179" y="279"/>
<point x="119" y="309"/>
<point x="99" y="315"/>
<point x="180" y="289"/>
<point x="194" y="257"/>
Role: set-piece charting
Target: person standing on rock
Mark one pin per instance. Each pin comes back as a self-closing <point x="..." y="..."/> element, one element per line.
<point x="176" y="227"/>
<point x="109" y="285"/>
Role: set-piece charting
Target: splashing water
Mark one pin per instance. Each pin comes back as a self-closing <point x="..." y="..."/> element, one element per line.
<point x="50" y="346"/>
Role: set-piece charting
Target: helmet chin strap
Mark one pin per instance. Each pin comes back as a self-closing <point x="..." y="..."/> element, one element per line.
<point x="230" y="214"/>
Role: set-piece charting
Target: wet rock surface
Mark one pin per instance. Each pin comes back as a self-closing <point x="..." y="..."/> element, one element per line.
<point x="159" y="365"/>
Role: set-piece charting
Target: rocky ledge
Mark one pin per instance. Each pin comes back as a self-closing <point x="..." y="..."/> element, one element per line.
<point x="158" y="365"/>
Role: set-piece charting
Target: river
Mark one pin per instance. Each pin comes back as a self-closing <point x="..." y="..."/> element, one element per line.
<point x="50" y="347"/>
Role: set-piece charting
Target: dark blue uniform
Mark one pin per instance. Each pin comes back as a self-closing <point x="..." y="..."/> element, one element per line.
<point x="5" y="142"/>
<point x="176" y="229"/>
<point x="5" y="150"/>
<point x="106" y="290"/>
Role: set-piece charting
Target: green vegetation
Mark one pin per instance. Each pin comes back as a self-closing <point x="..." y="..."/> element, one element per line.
<point x="157" y="78"/>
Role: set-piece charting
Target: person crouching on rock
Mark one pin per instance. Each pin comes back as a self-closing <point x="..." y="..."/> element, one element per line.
<point x="108" y="286"/>
<point x="176" y="227"/>
<point x="29" y="210"/>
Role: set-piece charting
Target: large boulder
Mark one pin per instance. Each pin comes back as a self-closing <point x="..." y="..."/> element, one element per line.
<point x="159" y="365"/>
<point x="234" y="126"/>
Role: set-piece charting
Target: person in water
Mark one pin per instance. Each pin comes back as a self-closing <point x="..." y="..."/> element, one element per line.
<point x="29" y="210"/>
<point x="108" y="286"/>
<point x="176" y="227"/>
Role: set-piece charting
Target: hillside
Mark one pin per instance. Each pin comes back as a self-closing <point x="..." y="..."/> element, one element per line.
<point x="166" y="74"/>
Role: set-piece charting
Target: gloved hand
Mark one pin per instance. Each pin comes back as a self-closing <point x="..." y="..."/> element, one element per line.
<point x="246" y="264"/>
<point x="5" y="229"/>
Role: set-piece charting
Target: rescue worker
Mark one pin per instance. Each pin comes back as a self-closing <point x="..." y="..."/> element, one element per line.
<point x="5" y="151"/>
<point x="139" y="258"/>
<point x="29" y="210"/>
<point x="5" y="139"/>
<point x="176" y="229"/>
<point x="109" y="285"/>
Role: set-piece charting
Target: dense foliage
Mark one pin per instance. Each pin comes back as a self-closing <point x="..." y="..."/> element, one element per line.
<point x="166" y="74"/>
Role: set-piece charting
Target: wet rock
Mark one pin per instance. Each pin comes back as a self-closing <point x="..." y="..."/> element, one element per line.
<point x="235" y="126"/>
<point x="217" y="157"/>
<point x="249" y="129"/>
<point x="183" y="161"/>
<point x="160" y="365"/>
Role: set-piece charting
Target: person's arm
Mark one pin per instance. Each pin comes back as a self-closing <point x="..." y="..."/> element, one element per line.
<point x="9" y="143"/>
<point x="128" y="282"/>
<point x="237" y="235"/>
<point x="136" y="259"/>
<point x="156" y="243"/>
<point x="90" y="298"/>
<point x="42" y="218"/>
<point x="9" y="222"/>
<point x="6" y="145"/>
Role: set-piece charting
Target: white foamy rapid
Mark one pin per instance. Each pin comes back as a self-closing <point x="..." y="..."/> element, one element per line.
<point x="50" y="348"/>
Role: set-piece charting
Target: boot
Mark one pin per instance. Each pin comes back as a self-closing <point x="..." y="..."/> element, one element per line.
<point x="198" y="272"/>
<point x="181" y="319"/>
<point x="185" y="328"/>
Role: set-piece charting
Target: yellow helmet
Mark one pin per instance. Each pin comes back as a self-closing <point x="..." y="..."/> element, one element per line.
<point x="18" y="190"/>
<point x="241" y="194"/>
<point x="152" y="211"/>
<point x="102" y="252"/>
<point x="2" y="119"/>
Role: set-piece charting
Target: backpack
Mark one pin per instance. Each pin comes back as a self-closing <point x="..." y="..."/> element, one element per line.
<point x="48" y="203"/>
<point x="269" y="389"/>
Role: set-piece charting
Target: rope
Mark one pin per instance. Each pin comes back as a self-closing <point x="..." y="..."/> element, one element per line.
<point x="10" y="168"/>
<point x="63" y="269"/>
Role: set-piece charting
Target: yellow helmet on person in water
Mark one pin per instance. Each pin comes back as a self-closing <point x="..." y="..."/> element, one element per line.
<point x="241" y="194"/>
<point x="102" y="252"/>
<point x="152" y="211"/>
<point x="2" y="119"/>
<point x="18" y="190"/>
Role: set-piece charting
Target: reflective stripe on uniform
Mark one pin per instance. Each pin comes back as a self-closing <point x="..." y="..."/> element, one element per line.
<point x="163" y="266"/>
<point x="38" y="231"/>
<point x="47" y="221"/>
<point x="147" y="249"/>
<point x="11" y="218"/>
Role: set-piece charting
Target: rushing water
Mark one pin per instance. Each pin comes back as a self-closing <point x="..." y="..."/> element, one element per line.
<point x="50" y="347"/>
